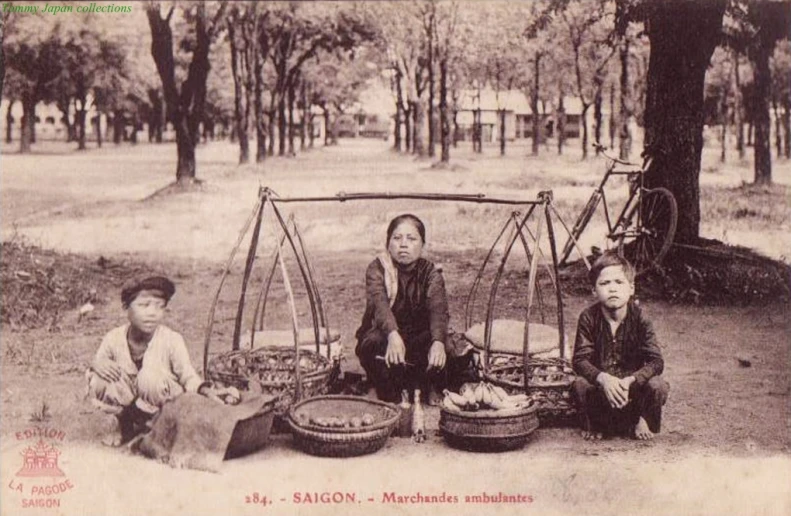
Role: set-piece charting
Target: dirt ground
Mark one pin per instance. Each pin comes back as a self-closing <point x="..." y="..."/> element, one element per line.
<point x="726" y="434"/>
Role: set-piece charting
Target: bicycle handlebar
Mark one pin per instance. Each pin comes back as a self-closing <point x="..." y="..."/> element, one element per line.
<point x="601" y="149"/>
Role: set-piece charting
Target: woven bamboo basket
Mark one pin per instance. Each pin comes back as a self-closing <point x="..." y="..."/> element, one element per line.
<point x="549" y="385"/>
<point x="546" y="379"/>
<point x="341" y="441"/>
<point x="274" y="371"/>
<point x="488" y="430"/>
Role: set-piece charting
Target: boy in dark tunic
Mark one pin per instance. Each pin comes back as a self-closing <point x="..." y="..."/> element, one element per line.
<point x="616" y="355"/>
<point x="401" y="341"/>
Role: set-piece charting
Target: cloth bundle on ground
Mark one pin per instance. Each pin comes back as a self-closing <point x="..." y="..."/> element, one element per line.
<point x="508" y="335"/>
<point x="194" y="432"/>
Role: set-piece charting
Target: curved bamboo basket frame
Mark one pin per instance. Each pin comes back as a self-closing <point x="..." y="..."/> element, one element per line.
<point x="293" y="238"/>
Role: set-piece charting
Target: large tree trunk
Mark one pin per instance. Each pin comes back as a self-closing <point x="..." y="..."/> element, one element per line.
<point x="534" y="105"/>
<point x="399" y="111"/>
<point x="118" y="126"/>
<point x="187" y="106"/>
<point x="304" y="118"/>
<point x="260" y="123"/>
<point x="326" y="113"/>
<point x="272" y="115"/>
<point x="28" y="122"/>
<point x="598" y="116"/>
<point x="291" y="102"/>
<point x="679" y="57"/>
<point x="455" y="128"/>
<point x="443" y="111"/>
<point x="724" y="125"/>
<point x="64" y="103"/>
<point x="787" y="126"/>
<point x="282" y="123"/>
<point x="738" y="109"/>
<point x="502" y="132"/>
<point x="2" y="54"/>
<point x="431" y="81"/>
<point x="408" y="128"/>
<point x="98" y="128"/>
<point x="626" y="103"/>
<point x="9" y="122"/>
<point x="760" y="52"/>
<point x="475" y="128"/>
<point x="79" y="121"/>
<point x="239" y="108"/>
<point x="397" y="127"/>
<point x="561" y="123"/>
<point x="584" y="119"/>
<point x="613" y="122"/>
<point x="419" y="147"/>
<point x="778" y="128"/>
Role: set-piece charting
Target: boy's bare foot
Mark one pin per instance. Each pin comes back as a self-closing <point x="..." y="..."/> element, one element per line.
<point x="113" y="438"/>
<point x="591" y="436"/>
<point x="641" y="430"/>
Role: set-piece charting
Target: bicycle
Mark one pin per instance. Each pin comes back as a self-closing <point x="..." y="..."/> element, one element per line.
<point x="646" y="225"/>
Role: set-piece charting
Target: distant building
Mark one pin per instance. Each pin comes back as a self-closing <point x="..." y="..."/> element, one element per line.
<point x="518" y="116"/>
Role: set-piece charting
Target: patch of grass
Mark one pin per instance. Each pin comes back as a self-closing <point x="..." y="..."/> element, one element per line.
<point x="757" y="208"/>
<point x="40" y="286"/>
<point x="41" y="414"/>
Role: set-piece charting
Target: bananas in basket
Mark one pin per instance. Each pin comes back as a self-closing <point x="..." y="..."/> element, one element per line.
<point x="483" y="396"/>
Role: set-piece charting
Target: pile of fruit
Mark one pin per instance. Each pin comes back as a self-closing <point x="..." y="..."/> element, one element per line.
<point x="365" y="420"/>
<point x="484" y="396"/>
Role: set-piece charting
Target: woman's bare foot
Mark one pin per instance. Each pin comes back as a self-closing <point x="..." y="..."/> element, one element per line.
<point x="641" y="430"/>
<point x="591" y="436"/>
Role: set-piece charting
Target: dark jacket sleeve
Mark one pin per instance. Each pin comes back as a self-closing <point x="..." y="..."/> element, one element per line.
<point x="437" y="301"/>
<point x="653" y="363"/>
<point x="585" y="349"/>
<point x="376" y="297"/>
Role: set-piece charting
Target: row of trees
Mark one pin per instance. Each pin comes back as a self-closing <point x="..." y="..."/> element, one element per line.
<point x="647" y="58"/>
<point x="651" y="56"/>
<point x="556" y="49"/>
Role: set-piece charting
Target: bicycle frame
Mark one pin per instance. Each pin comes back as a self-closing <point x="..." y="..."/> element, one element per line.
<point x="620" y="227"/>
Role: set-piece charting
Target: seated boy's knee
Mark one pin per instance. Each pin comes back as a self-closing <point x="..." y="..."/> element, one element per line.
<point x="155" y="389"/>
<point x="657" y="386"/>
<point x="110" y="397"/>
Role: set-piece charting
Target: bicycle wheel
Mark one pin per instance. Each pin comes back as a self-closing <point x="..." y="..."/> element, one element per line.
<point x="659" y="219"/>
<point x="579" y="226"/>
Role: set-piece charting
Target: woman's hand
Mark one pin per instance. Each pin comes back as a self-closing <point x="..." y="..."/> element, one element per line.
<point x="396" y="350"/>
<point x="436" y="355"/>
<point x="107" y="370"/>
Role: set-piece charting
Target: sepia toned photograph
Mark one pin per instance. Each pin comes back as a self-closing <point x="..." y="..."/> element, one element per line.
<point x="368" y="257"/>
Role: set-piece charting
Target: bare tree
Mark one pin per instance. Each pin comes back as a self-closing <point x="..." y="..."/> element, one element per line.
<point x="186" y="103"/>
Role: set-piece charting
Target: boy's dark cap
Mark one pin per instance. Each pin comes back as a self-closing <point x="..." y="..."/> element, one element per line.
<point x="135" y="285"/>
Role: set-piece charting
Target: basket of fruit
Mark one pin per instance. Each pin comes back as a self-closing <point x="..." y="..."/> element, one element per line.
<point x="342" y="426"/>
<point x="484" y="417"/>
<point x="273" y="369"/>
<point x="549" y="384"/>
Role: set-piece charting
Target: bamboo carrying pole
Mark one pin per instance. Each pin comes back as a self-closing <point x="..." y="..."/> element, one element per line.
<point x="267" y="195"/>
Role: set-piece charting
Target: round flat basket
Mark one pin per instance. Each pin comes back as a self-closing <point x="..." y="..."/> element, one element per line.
<point x="488" y="430"/>
<point x="273" y="369"/>
<point x="550" y="385"/>
<point x="308" y="420"/>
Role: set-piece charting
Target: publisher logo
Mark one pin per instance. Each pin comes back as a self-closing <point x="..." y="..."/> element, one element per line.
<point x="40" y="481"/>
